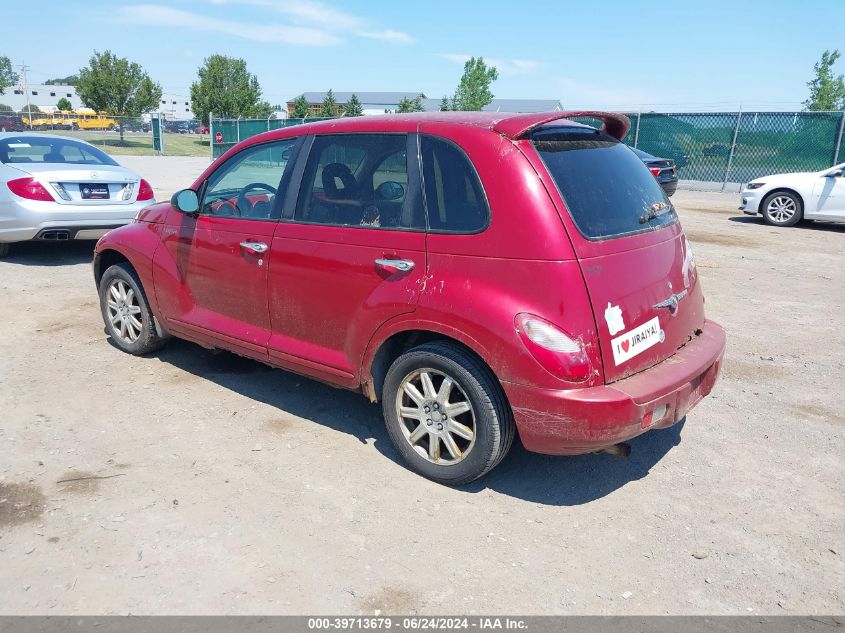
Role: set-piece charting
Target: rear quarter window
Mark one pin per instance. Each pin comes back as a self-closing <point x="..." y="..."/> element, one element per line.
<point x="454" y="197"/>
<point x="607" y="189"/>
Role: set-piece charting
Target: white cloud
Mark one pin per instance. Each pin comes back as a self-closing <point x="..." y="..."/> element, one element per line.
<point x="160" y="15"/>
<point x="317" y="14"/>
<point x="508" y="67"/>
<point x="388" y="35"/>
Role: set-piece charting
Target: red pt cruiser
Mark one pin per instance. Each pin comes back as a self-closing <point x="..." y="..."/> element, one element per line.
<point x="481" y="274"/>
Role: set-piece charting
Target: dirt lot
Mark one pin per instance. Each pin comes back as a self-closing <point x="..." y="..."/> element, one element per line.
<point x="235" y="488"/>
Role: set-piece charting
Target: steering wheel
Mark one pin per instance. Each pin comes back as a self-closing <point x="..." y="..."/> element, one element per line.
<point x="241" y="200"/>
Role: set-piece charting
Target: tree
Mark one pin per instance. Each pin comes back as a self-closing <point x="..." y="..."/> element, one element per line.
<point x="64" y="104"/>
<point x="354" y="107"/>
<point x="329" y="107"/>
<point x="117" y="86"/>
<point x="473" y="91"/>
<point x="404" y="105"/>
<point x="8" y="77"/>
<point x="30" y="108"/>
<point x="5" y="108"/>
<point x="827" y="92"/>
<point x="301" y="109"/>
<point x="444" y="104"/>
<point x="226" y="88"/>
<point x="417" y="104"/>
<point x="70" y="80"/>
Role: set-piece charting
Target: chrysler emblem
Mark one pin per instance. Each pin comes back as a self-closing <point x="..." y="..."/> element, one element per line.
<point x="672" y="302"/>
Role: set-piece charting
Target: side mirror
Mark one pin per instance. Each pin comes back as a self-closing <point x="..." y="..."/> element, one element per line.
<point x="389" y="191"/>
<point x="185" y="201"/>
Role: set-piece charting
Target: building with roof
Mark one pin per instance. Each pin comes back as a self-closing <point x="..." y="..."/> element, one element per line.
<point x="174" y="107"/>
<point x="44" y="96"/>
<point x="381" y="102"/>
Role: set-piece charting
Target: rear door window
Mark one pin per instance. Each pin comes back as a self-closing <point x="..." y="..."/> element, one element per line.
<point x="453" y="194"/>
<point x="607" y="189"/>
<point x="359" y="180"/>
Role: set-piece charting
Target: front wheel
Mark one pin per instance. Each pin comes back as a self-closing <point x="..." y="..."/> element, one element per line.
<point x="446" y="413"/>
<point x="4" y="249"/>
<point x="782" y="208"/>
<point x="126" y="312"/>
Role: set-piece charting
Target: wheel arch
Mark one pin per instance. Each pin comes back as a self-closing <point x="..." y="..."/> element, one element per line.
<point x="790" y="190"/>
<point x="394" y="340"/>
<point x="107" y="258"/>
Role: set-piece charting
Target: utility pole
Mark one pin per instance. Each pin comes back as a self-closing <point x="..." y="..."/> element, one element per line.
<point x="22" y="86"/>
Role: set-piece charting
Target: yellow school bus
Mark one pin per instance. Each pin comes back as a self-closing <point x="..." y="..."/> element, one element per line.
<point x="90" y="120"/>
<point x="82" y="119"/>
<point x="39" y="120"/>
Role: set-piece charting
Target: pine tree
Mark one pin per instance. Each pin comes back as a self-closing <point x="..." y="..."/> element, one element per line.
<point x="354" y="107"/>
<point x="301" y="108"/>
<point x="328" y="108"/>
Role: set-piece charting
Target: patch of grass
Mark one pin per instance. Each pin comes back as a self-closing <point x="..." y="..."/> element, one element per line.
<point x="141" y="144"/>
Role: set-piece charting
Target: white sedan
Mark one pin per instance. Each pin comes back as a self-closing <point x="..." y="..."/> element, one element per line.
<point x="57" y="188"/>
<point x="785" y="199"/>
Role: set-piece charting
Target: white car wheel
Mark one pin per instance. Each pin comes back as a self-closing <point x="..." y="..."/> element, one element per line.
<point x="782" y="208"/>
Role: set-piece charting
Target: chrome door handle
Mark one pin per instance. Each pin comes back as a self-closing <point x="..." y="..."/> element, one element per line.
<point x="402" y="265"/>
<point x="254" y="247"/>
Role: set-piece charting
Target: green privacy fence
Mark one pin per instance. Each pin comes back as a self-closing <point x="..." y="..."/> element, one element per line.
<point x="226" y="133"/>
<point x="736" y="147"/>
<point x="716" y="147"/>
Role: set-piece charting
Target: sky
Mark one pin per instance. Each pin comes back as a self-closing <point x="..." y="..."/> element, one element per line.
<point x="661" y="56"/>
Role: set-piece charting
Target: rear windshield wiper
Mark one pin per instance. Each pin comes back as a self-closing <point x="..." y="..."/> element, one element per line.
<point x="655" y="211"/>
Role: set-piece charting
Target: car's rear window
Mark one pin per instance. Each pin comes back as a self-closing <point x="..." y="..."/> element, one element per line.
<point x="608" y="190"/>
<point x="43" y="149"/>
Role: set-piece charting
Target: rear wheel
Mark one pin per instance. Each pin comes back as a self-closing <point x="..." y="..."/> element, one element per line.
<point x="446" y="413"/>
<point x="782" y="208"/>
<point x="126" y="312"/>
<point x="4" y="249"/>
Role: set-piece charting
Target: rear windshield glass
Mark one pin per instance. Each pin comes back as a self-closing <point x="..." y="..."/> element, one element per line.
<point x="608" y="190"/>
<point x="43" y="149"/>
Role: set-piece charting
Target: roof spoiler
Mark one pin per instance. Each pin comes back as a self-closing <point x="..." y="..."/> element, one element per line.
<point x="615" y="124"/>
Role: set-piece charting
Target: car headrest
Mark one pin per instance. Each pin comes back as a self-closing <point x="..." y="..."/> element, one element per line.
<point x="334" y="172"/>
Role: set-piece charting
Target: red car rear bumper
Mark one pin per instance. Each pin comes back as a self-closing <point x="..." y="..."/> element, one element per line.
<point x="585" y="420"/>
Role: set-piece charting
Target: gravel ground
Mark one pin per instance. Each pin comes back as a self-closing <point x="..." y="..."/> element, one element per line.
<point x="229" y="487"/>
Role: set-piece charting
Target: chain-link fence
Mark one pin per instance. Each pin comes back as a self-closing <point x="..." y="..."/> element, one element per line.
<point x="115" y="135"/>
<point x="714" y="147"/>
<point x="226" y="133"/>
<point x="735" y="147"/>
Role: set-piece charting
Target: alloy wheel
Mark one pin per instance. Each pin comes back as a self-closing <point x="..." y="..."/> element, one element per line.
<point x="124" y="312"/>
<point x="436" y="417"/>
<point x="781" y="209"/>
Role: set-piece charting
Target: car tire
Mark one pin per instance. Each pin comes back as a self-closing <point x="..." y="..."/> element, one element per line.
<point x="450" y="435"/>
<point x="782" y="208"/>
<point x="126" y="311"/>
<point x="4" y="249"/>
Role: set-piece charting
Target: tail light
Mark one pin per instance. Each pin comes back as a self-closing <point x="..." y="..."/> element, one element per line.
<point x="558" y="352"/>
<point x="655" y="171"/>
<point x="30" y="189"/>
<point x="145" y="191"/>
